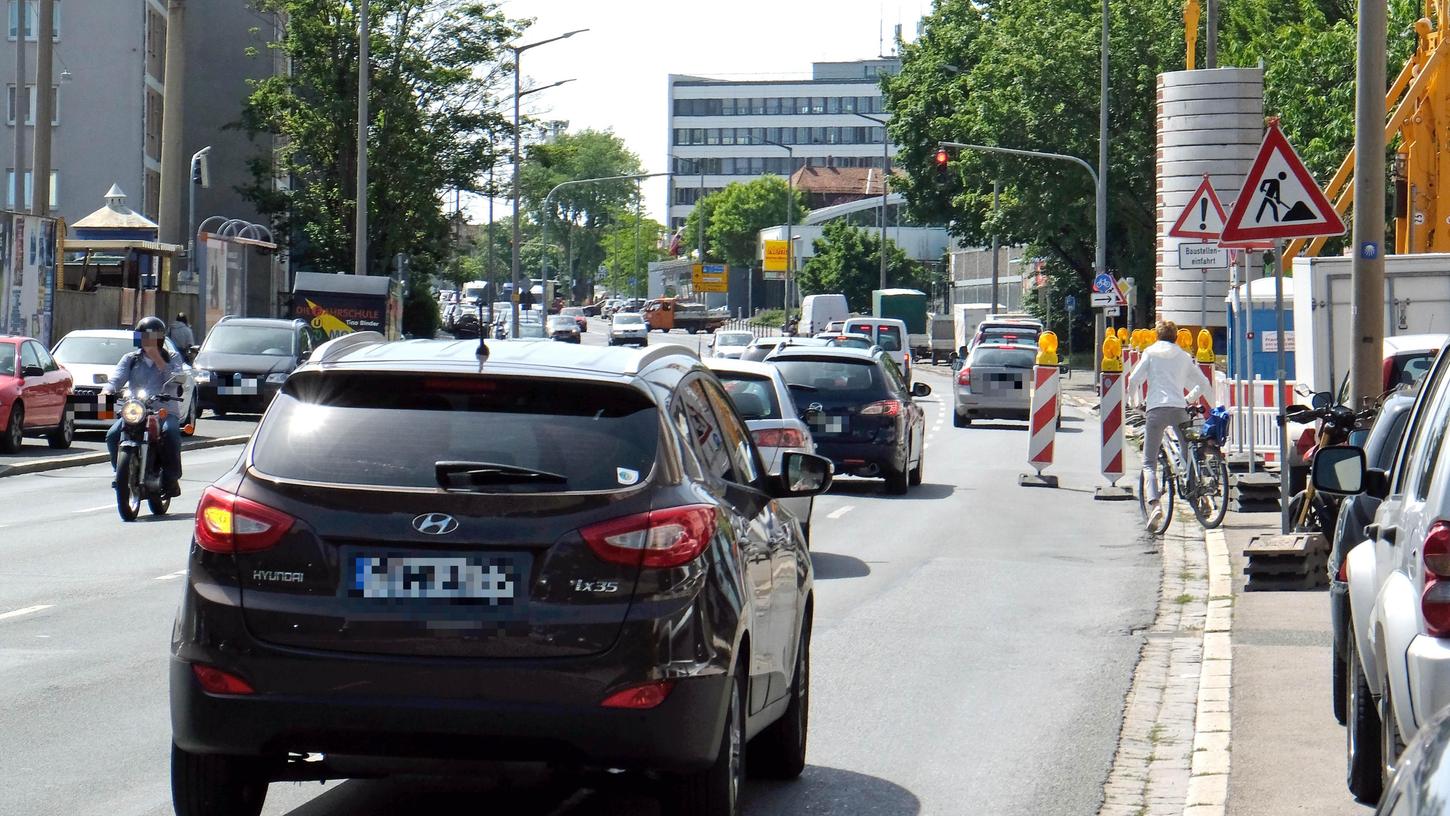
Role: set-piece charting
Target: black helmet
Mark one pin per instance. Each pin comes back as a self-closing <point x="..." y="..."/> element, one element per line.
<point x="150" y="328"/>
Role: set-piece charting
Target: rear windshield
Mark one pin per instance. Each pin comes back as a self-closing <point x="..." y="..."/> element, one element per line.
<point x="834" y="380"/>
<point x="888" y="337"/>
<point x="1025" y="333"/>
<point x="393" y="429"/>
<point x="1010" y="358"/>
<point x="754" y="396"/>
<point x="1408" y="369"/>
<point x="264" y="340"/>
<point x="757" y="352"/>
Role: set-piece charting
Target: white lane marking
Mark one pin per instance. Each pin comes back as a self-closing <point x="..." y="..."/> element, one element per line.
<point x="835" y="514"/>
<point x="92" y="509"/>
<point x="169" y="576"/>
<point x="29" y="610"/>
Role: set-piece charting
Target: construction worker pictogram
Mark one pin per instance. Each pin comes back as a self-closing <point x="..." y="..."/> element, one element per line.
<point x="1279" y="198"/>
<point x="1044" y="413"/>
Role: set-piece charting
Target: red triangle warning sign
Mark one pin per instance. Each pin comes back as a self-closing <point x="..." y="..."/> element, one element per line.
<point x="1279" y="198"/>
<point x="1203" y="216"/>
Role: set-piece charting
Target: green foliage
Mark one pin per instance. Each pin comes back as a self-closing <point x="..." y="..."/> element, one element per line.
<point x="848" y="260"/>
<point x="620" y="256"/>
<point x="735" y="216"/>
<point x="420" y="309"/>
<point x="435" y="66"/>
<point x="771" y="318"/>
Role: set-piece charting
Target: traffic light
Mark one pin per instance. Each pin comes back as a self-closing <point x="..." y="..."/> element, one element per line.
<point x="943" y="162"/>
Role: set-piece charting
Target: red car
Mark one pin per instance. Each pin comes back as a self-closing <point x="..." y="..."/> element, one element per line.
<point x="33" y="392"/>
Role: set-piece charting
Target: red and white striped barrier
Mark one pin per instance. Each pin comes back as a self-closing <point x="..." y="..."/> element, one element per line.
<point x="1110" y="411"/>
<point x="1259" y="432"/>
<point x="1207" y="369"/>
<point x="1044" y="417"/>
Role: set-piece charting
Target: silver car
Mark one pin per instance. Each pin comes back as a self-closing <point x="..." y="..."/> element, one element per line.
<point x="763" y="400"/>
<point x="628" y="327"/>
<point x="729" y="344"/>
<point x="995" y="382"/>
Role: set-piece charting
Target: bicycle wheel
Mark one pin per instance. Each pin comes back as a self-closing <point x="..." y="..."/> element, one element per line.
<point x="1167" y="489"/>
<point x="1210" y="501"/>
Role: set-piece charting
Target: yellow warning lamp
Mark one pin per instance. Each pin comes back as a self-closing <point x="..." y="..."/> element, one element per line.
<point x="1137" y="343"/>
<point x="1205" y="346"/>
<point x="1112" y="355"/>
<point x="1122" y="335"/>
<point x="1185" y="340"/>
<point x="1047" y="349"/>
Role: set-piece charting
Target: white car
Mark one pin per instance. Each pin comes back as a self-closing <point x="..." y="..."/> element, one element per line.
<point x="90" y="355"/>
<point x="1399" y="587"/>
<point x="763" y="400"/>
<point x="627" y="328"/>
<point x="730" y="344"/>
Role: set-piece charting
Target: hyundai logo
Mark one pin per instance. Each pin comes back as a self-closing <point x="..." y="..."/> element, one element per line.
<point x="435" y="524"/>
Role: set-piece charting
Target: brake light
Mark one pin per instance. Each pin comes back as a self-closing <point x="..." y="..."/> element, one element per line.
<point x="231" y="524"/>
<point x="1435" y="600"/>
<point x="216" y="681"/>
<point x="660" y="538"/>
<point x="643" y="696"/>
<point x="779" y="438"/>
<point x="964" y="377"/>
<point x="888" y="408"/>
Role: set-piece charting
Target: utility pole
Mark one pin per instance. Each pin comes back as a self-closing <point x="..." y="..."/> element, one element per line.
<point x="173" y="162"/>
<point x="364" y="57"/>
<point x="44" y="107"/>
<point x="492" y="288"/>
<point x="996" y="242"/>
<point x="1367" y="298"/>
<point x="1101" y="259"/>
<point x="1210" y="48"/>
<point x="22" y="107"/>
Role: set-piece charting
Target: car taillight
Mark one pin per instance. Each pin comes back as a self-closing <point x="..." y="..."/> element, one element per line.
<point x="779" y="438"/>
<point x="659" y="538"/>
<point x="964" y="377"/>
<point x="1387" y="373"/>
<point x="231" y="524"/>
<point x="643" y="696"/>
<point x="888" y="408"/>
<point x="216" y="681"/>
<point x="1435" y="600"/>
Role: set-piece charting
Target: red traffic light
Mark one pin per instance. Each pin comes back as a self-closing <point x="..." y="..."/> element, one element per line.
<point x="943" y="158"/>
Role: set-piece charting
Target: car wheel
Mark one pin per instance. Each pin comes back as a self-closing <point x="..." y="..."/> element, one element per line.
<point x="65" y="432"/>
<point x="715" y="791"/>
<point x="1361" y="734"/>
<point x="779" y="752"/>
<point x="216" y="785"/>
<point x="897" y="483"/>
<point x="1338" y="673"/>
<point x="1391" y="743"/>
<point x="14" y="432"/>
<point x="960" y="420"/>
<point x="128" y="501"/>
<point x="914" y="478"/>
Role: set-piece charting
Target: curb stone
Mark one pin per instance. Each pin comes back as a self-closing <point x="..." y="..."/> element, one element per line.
<point x="101" y="457"/>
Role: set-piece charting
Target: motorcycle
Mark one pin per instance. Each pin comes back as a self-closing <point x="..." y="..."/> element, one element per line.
<point x="1310" y="510"/>
<point x="139" y="472"/>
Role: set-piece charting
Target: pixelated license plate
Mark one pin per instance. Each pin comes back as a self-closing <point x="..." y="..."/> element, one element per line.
<point x="483" y="578"/>
<point x="826" y="424"/>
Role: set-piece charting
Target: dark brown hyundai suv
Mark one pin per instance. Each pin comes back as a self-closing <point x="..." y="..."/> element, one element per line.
<point x="537" y="552"/>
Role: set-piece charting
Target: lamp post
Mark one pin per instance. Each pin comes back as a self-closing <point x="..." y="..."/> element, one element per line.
<point x="519" y="93"/>
<point x="699" y="222"/>
<point x="199" y="177"/>
<point x="360" y="220"/>
<point x="885" y="174"/>
<point x="789" y="217"/>
<point x="636" y="177"/>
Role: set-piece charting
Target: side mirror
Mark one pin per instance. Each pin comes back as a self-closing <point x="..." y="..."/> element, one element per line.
<point x="32" y="371"/>
<point x="1323" y="399"/>
<point x="801" y="474"/>
<point x="957" y="362"/>
<point x="1302" y="390"/>
<point x="920" y="389"/>
<point x="1340" y="469"/>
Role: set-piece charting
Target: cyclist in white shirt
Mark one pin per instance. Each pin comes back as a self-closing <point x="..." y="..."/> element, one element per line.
<point x="1169" y="373"/>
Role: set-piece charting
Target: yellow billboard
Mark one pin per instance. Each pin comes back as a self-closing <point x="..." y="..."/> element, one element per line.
<point x="777" y="256"/>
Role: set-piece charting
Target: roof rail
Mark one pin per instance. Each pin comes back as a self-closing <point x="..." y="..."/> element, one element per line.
<point x="333" y="350"/>
<point x="654" y="354"/>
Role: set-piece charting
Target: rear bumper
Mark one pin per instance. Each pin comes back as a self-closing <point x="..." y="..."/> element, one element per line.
<point x="1428" y="660"/>
<point x="859" y="458"/>
<point x="992" y="406"/>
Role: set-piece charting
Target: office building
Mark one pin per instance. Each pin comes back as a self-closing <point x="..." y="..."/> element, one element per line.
<point x="721" y="130"/>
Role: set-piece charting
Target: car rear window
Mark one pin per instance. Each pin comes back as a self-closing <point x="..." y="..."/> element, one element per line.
<point x="754" y="396"/>
<point x="1009" y="358"/>
<point x="834" y="379"/>
<point x="756" y="352"/>
<point x="264" y="340"/>
<point x="1408" y="369"/>
<point x="888" y="338"/>
<point x="392" y="429"/>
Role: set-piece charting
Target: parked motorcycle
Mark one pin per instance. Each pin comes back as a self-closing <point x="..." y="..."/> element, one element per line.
<point x="1310" y="510"/>
<point x="139" y="460"/>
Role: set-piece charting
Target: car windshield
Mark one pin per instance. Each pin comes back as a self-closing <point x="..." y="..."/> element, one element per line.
<point x="394" y="429"/>
<point x="101" y="351"/>
<point x="1408" y="369"/>
<point x="753" y="395"/>
<point x="7" y="360"/>
<point x="532" y="329"/>
<point x="562" y="322"/>
<point x="628" y="319"/>
<point x="264" y="340"/>
<point x="1004" y="357"/>
<point x="734" y="338"/>
<point x="833" y="380"/>
<point x="573" y="311"/>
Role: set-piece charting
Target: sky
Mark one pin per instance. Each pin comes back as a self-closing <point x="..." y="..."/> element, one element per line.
<point x="622" y="64"/>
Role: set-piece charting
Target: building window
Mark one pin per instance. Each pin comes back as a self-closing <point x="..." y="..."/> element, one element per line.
<point x="29" y="192"/>
<point x="727" y="107"/>
<point x="30" y="109"/>
<point x="772" y="105"/>
<point x="682" y="136"/>
<point x="32" y="11"/>
<point x="818" y="104"/>
<point x="712" y="136"/>
<point x="848" y="104"/>
<point x="758" y="106"/>
<point x="833" y="104"/>
<point x="697" y="136"/>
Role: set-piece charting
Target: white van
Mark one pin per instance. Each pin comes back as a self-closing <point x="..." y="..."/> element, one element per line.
<point x="818" y="310"/>
<point x="886" y="332"/>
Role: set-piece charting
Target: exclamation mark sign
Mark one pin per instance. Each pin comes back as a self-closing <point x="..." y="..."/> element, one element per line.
<point x="1203" y="213"/>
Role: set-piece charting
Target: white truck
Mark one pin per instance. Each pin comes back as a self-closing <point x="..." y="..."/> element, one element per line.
<point x="1417" y="301"/>
<point x="965" y="318"/>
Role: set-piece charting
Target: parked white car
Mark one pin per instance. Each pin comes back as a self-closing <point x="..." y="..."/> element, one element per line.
<point x="1399" y="588"/>
<point x="763" y="399"/>
<point x="90" y="355"/>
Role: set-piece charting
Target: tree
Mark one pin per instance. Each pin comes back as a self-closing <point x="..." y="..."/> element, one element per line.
<point x="847" y="260"/>
<point x="436" y="66"/>
<point x="619" y="247"/>
<point x="735" y="216"/>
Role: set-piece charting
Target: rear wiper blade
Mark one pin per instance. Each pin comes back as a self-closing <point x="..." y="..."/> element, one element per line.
<point x="802" y="387"/>
<point x="477" y="474"/>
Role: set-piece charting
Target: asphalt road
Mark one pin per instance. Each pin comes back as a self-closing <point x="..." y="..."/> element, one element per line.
<point x="974" y="643"/>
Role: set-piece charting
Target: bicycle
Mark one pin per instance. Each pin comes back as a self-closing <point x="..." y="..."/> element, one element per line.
<point x="1202" y="481"/>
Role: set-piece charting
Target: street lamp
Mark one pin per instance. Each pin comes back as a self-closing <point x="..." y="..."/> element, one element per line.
<point x="544" y="208"/>
<point x="360" y="217"/>
<point x="885" y="174"/>
<point x="699" y="222"/>
<point x="789" y="217"/>
<point x="519" y="93"/>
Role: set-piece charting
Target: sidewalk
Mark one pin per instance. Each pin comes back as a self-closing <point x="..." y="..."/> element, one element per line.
<point x="89" y="447"/>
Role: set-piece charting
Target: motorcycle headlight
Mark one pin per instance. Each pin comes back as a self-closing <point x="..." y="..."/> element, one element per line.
<point x="277" y="378"/>
<point x="133" y="412"/>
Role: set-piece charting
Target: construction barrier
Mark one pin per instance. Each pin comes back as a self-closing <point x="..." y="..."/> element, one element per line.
<point x="1043" y="431"/>
<point x="1259" y="431"/>
<point x="1205" y="360"/>
<point x="1110" y="410"/>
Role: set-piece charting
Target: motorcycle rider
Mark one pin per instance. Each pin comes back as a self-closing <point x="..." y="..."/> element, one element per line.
<point x="148" y="369"/>
<point x="1169" y="372"/>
